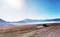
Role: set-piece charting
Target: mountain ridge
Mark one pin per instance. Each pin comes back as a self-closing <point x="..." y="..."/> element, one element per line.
<point x="4" y="23"/>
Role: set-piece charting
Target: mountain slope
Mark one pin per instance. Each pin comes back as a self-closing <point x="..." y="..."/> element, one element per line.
<point x="4" y="23"/>
<point x="25" y="21"/>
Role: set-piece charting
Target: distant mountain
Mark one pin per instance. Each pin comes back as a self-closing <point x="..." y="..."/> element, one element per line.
<point x="4" y="23"/>
<point x="56" y="20"/>
<point x="45" y="20"/>
<point x="25" y="21"/>
<point x="31" y="20"/>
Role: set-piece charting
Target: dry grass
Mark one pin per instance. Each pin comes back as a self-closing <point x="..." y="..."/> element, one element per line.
<point x="25" y="30"/>
<point x="21" y="28"/>
<point x="16" y="28"/>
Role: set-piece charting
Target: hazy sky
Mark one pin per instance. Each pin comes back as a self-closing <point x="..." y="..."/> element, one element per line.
<point x="15" y="10"/>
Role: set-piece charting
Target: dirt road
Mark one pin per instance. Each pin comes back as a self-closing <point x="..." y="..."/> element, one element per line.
<point x="53" y="31"/>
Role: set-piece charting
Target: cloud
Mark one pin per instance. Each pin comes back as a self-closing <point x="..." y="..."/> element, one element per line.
<point x="15" y="10"/>
<point x="18" y="4"/>
<point x="11" y="10"/>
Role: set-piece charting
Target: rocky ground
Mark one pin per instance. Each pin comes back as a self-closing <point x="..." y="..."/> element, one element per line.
<point x="51" y="31"/>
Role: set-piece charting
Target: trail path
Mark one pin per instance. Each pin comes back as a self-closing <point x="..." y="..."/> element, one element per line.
<point x="53" y="31"/>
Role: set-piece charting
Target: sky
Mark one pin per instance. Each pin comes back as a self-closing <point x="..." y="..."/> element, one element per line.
<point x="15" y="10"/>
